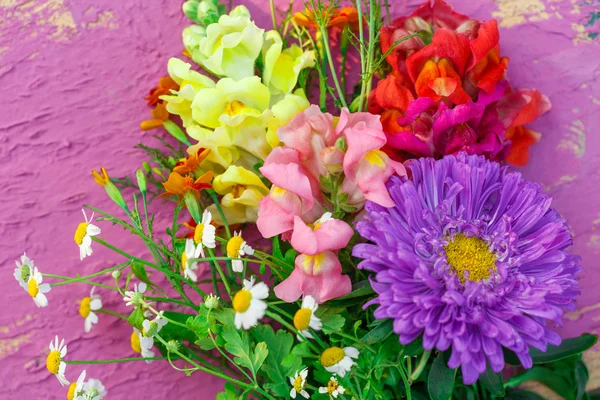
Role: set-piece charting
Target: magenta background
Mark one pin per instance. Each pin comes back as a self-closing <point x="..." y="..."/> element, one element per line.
<point x="73" y="75"/>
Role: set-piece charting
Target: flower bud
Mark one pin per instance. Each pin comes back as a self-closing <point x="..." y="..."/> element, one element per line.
<point x="172" y="345"/>
<point x="332" y="158"/>
<point x="146" y="167"/>
<point x="141" y="180"/>
<point x="341" y="144"/>
<point x="116" y="274"/>
<point x="211" y="302"/>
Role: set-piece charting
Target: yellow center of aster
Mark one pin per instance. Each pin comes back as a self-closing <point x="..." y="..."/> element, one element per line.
<point x="233" y="246"/>
<point x="298" y="384"/>
<point x="135" y="342"/>
<point x="332" y="386"/>
<point x="80" y="233"/>
<point x="302" y="318"/>
<point x="332" y="356"/>
<point x="53" y="362"/>
<point x="234" y="107"/>
<point x="241" y="300"/>
<point x="470" y="254"/>
<point x="32" y="288"/>
<point x="198" y="232"/>
<point x="184" y="260"/>
<point x="84" y="307"/>
<point x="71" y="392"/>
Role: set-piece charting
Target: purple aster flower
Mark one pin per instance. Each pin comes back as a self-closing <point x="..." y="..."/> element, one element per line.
<point x="472" y="258"/>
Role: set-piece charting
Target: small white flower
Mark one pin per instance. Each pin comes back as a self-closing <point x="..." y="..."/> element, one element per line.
<point x="298" y="383"/>
<point x="237" y="247"/>
<point x="249" y="305"/>
<point x="151" y="328"/>
<point x="135" y="296"/>
<point x="189" y="268"/>
<point x="86" y="309"/>
<point x="211" y="302"/>
<point x="333" y="388"/>
<point x="55" y="363"/>
<point x="23" y="270"/>
<point x="204" y="235"/>
<point x="83" y="236"/>
<point x="305" y="318"/>
<point x="36" y="288"/>
<point x="339" y="361"/>
<point x="94" y="390"/>
<point x="136" y="345"/>
<point x="76" y="388"/>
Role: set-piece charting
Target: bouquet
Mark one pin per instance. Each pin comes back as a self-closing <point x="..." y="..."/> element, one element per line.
<point x="345" y="220"/>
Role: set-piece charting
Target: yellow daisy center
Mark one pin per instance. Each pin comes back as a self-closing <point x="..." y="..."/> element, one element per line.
<point x="53" y="361"/>
<point x="233" y="246"/>
<point x="302" y="318"/>
<point x="184" y="260"/>
<point x="80" y="233"/>
<point x="298" y="384"/>
<point x="241" y="300"/>
<point x="135" y="343"/>
<point x="332" y="356"/>
<point x="32" y="288"/>
<point x="84" y="307"/>
<point x="332" y="386"/>
<point x="198" y="232"/>
<point x="71" y="393"/>
<point x="470" y="254"/>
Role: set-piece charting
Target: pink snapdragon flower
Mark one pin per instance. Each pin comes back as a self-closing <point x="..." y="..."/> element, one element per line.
<point x="324" y="234"/>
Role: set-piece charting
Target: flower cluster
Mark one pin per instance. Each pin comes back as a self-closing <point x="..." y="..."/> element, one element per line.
<point x="447" y="90"/>
<point x="327" y="250"/>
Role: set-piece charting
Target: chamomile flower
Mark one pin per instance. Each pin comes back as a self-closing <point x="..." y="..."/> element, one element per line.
<point x="55" y="363"/>
<point x="94" y="389"/>
<point x="83" y="236"/>
<point x="204" y="235"/>
<point x="305" y="318"/>
<point x="23" y="270"/>
<point x="36" y="288"/>
<point x="76" y="388"/>
<point x="135" y="297"/>
<point x="298" y="383"/>
<point x="339" y="361"/>
<point x="249" y="305"/>
<point x="237" y="247"/>
<point x="86" y="309"/>
<point x="151" y="328"/>
<point x="189" y="268"/>
<point x="333" y="388"/>
<point x="136" y="345"/>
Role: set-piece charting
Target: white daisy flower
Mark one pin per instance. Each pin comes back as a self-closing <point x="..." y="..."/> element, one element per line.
<point x="298" y="383"/>
<point x="151" y="328"/>
<point x="23" y="271"/>
<point x="83" y="236"/>
<point x="76" y="388"/>
<point x="237" y="247"/>
<point x="333" y="388"/>
<point x="136" y="345"/>
<point x="87" y="307"/>
<point x="94" y="390"/>
<point x="135" y="296"/>
<point x="55" y="363"/>
<point x="305" y="318"/>
<point x="189" y="268"/>
<point x="249" y="305"/>
<point x="339" y="361"/>
<point x="204" y="235"/>
<point x="36" y="288"/>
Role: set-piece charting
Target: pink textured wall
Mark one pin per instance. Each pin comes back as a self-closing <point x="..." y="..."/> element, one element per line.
<point x="73" y="75"/>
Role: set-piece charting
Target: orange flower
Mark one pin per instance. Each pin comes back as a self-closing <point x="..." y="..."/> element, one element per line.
<point x="339" y="17"/>
<point x="177" y="184"/>
<point x="191" y="162"/>
<point x="521" y="138"/>
<point x="101" y="178"/>
<point x="165" y="84"/>
<point x="159" y="116"/>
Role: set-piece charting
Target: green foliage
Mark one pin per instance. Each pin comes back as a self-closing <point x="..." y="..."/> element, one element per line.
<point x="441" y="379"/>
<point x="567" y="348"/>
<point x="238" y="344"/>
<point x="492" y="382"/>
<point x="136" y="318"/>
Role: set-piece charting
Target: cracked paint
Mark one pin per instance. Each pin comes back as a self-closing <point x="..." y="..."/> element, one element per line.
<point x="574" y="140"/>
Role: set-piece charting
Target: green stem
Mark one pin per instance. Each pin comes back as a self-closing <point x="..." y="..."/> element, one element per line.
<point x="421" y="366"/>
<point x="169" y="300"/>
<point x="362" y="52"/>
<point x="332" y="66"/>
<point x="272" y="4"/>
<point x="215" y="200"/>
<point x="116" y="360"/>
<point x="114" y="314"/>
<point x="405" y="381"/>
<point x="220" y="271"/>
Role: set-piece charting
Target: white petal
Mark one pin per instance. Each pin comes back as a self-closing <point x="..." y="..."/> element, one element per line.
<point x="293" y="393"/>
<point x="92" y="230"/>
<point x="44" y="288"/>
<point x="93" y="317"/>
<point x="96" y="304"/>
<point x="142" y="287"/>
<point x="260" y="291"/>
<point x="305" y="394"/>
<point x="190" y="249"/>
<point x="309" y="302"/>
<point x="237" y="265"/>
<point x="199" y="253"/>
<point x="87" y="325"/>
<point x="351" y="352"/>
<point x="63" y="350"/>
<point x="322" y="389"/>
<point x="41" y="300"/>
<point x="191" y="274"/>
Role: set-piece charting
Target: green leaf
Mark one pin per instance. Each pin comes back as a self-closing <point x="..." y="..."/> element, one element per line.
<point x="441" y="379"/>
<point x="259" y="355"/>
<point x="229" y="393"/>
<point x="136" y="319"/>
<point x="277" y="367"/>
<point x="200" y="324"/>
<point x="238" y="344"/>
<point x="290" y="256"/>
<point x="567" y="348"/>
<point x="493" y="383"/>
<point x="277" y="249"/>
<point x="523" y="395"/>
<point x="359" y="291"/>
<point x="581" y="379"/>
<point x="139" y="270"/>
<point x="172" y="331"/>
<point x="545" y="376"/>
<point x="380" y="333"/>
<point x="414" y="348"/>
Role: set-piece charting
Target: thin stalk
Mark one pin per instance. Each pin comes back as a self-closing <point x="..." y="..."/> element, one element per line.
<point x="169" y="300"/>
<point x="116" y="360"/>
<point x="114" y="314"/>
<point x="331" y="65"/>
<point x="405" y="381"/>
<point x="214" y="198"/>
<point x="273" y="18"/>
<point x="220" y="271"/>
<point x="421" y="366"/>
<point x="361" y="51"/>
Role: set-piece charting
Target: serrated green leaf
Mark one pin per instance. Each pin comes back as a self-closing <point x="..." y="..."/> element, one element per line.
<point x="225" y="316"/>
<point x="136" y="318"/>
<point x="567" y="348"/>
<point x="229" y="393"/>
<point x="493" y="382"/>
<point x="332" y="321"/>
<point x="259" y="355"/>
<point x="201" y="323"/>
<point x="139" y="270"/>
<point x="440" y="383"/>
<point x="238" y="345"/>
